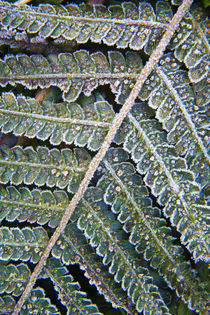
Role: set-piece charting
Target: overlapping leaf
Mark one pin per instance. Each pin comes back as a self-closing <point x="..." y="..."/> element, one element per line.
<point x="7" y="304"/>
<point x="13" y="278"/>
<point x="173" y="163"/>
<point x="191" y="45"/>
<point x="41" y="206"/>
<point x="37" y="303"/>
<point x="168" y="177"/>
<point x="192" y="48"/>
<point x="72" y="247"/>
<point x="104" y="233"/>
<point x="129" y="198"/>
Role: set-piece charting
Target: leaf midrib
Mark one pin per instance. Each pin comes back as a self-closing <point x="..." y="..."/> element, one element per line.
<point x="176" y="97"/>
<point x="77" y="75"/>
<point x="32" y="205"/>
<point x="92" y="20"/>
<point x="40" y="166"/>
<point x="119" y="250"/>
<point x="57" y="119"/>
<point x="142" y="216"/>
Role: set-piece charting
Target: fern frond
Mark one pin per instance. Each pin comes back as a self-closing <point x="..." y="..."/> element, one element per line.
<point x="41" y="206"/>
<point x="84" y="123"/>
<point x="61" y="168"/>
<point x="169" y="92"/>
<point x="121" y="25"/>
<point x="25" y="244"/>
<point x="125" y="192"/>
<point x="74" y="73"/>
<point x="109" y="244"/>
<point x="71" y="296"/>
<point x="201" y="93"/>
<point x="192" y="48"/>
<point x="13" y="278"/>
<point x="101" y="230"/>
<point x="72" y="247"/>
<point x="169" y="179"/>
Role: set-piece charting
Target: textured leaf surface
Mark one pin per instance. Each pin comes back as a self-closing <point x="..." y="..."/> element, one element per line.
<point x="7" y="304"/>
<point x="128" y="197"/>
<point x="84" y="123"/>
<point x="38" y="304"/>
<point x="140" y="231"/>
<point x="13" y="278"/>
<point x="25" y="244"/>
<point x="168" y="177"/>
<point x="74" y="73"/>
<point x="121" y="25"/>
<point x="170" y="93"/>
<point x="104" y="234"/>
<point x="41" y="206"/>
<point x="191" y="46"/>
<point x="61" y="168"/>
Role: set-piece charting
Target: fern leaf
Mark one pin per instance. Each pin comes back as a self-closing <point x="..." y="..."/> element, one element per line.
<point x="72" y="247"/>
<point x="121" y="25"/>
<point x="25" y="244"/>
<point x="169" y="92"/>
<point x="85" y="123"/>
<point x="41" y="206"/>
<point x="43" y="166"/>
<point x="125" y="192"/>
<point x="169" y="179"/>
<point x="13" y="278"/>
<point x="102" y="232"/>
<point x="69" y="291"/>
<point x="38" y="303"/>
<point x="74" y="73"/>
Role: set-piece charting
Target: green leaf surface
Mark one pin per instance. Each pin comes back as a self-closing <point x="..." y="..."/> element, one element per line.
<point x="73" y="248"/>
<point x="128" y="197"/>
<point x="84" y="124"/>
<point x="25" y="244"/>
<point x="74" y="73"/>
<point x="14" y="278"/>
<point x="61" y="168"/>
